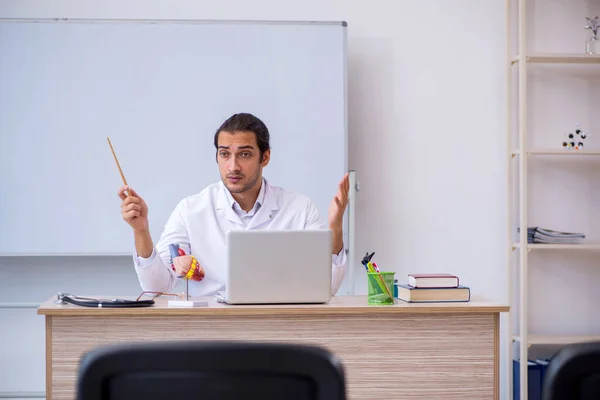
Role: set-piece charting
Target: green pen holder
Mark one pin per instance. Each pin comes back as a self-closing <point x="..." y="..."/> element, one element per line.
<point x="380" y="287"/>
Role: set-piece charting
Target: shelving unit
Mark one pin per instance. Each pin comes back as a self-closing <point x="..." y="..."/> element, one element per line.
<point x="522" y="64"/>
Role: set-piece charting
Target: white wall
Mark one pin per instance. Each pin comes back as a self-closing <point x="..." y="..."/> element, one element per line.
<point x="427" y="139"/>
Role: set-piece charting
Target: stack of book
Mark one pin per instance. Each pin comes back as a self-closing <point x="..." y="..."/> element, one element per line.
<point x="431" y="288"/>
<point x="541" y="235"/>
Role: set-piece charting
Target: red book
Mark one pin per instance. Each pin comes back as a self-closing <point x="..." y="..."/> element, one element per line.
<point x="432" y="280"/>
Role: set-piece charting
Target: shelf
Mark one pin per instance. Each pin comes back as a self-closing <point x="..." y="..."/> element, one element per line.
<point x="557" y="339"/>
<point x="553" y="152"/>
<point x="542" y="246"/>
<point x="557" y="58"/>
<point x="578" y="66"/>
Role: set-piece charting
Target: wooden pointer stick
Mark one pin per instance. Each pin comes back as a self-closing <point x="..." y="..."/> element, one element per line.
<point x="117" y="161"/>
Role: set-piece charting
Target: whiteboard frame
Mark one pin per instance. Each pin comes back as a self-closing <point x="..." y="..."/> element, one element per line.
<point x="173" y="21"/>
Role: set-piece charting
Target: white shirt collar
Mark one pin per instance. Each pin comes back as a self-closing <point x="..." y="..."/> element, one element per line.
<point x="260" y="200"/>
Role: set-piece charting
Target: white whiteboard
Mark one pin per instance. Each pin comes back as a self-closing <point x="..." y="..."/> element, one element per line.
<point x="159" y="89"/>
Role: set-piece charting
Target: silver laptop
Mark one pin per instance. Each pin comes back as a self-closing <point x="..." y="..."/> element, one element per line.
<point x="278" y="266"/>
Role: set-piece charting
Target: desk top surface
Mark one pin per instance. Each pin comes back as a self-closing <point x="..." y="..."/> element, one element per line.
<point x="338" y="305"/>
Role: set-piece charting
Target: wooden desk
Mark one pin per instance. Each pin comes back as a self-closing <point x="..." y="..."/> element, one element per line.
<point x="408" y="351"/>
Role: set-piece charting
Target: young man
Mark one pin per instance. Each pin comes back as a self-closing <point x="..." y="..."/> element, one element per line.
<point x="243" y="199"/>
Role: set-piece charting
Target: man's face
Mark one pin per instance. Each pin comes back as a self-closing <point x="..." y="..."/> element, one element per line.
<point x="239" y="160"/>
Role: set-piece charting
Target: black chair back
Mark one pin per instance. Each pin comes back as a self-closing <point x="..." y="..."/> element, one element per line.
<point x="210" y="371"/>
<point x="573" y="373"/>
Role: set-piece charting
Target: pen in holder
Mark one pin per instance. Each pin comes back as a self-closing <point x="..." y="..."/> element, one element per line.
<point x="381" y="284"/>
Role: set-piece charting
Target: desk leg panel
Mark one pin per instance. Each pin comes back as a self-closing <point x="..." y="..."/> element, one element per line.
<point x="417" y="356"/>
<point x="48" y="357"/>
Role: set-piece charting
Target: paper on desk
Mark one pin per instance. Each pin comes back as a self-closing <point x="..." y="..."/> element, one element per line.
<point x="221" y="296"/>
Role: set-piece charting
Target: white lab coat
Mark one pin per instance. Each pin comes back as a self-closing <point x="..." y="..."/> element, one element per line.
<point x="199" y="224"/>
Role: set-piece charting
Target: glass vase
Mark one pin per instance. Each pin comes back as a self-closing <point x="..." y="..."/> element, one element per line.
<point x="592" y="46"/>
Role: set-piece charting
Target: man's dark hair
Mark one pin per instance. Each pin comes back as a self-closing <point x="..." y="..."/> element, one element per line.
<point x="249" y="123"/>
